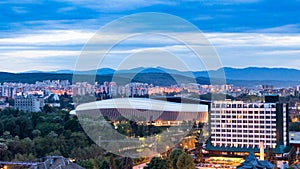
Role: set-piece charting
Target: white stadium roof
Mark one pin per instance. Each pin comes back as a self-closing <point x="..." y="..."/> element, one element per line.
<point x="141" y="103"/>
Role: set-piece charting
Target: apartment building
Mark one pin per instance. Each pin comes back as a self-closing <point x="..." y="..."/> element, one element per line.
<point x="242" y="126"/>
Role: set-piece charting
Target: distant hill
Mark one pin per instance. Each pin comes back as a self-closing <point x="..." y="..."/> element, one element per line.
<point x="255" y="73"/>
<point x="160" y="79"/>
<point x="248" y="77"/>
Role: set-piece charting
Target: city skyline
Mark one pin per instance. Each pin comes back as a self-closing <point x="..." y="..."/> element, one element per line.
<point x="50" y="35"/>
<point x="150" y="84"/>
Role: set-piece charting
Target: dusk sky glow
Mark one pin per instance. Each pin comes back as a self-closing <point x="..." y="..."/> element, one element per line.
<point x="49" y="35"/>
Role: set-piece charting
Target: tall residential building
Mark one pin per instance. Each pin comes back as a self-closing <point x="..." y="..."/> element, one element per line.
<point x="8" y="91"/>
<point x="241" y="127"/>
<point x="298" y="88"/>
<point x="29" y="103"/>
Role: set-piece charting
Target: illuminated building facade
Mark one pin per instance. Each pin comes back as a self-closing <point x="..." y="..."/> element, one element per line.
<point x="158" y="112"/>
<point x="241" y="126"/>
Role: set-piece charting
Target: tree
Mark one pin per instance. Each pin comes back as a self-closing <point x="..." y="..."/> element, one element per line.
<point x="292" y="156"/>
<point x="73" y="125"/>
<point x="174" y="157"/>
<point x="47" y="109"/>
<point x="189" y="142"/>
<point x="88" y="164"/>
<point x="78" y="139"/>
<point x="24" y="146"/>
<point x="199" y="155"/>
<point x="24" y="126"/>
<point x="36" y="133"/>
<point x="159" y="163"/>
<point x="112" y="162"/>
<point x="185" y="161"/>
<point x="105" y="165"/>
<point x="3" y="152"/>
<point x="24" y="157"/>
<point x="271" y="156"/>
<point x="126" y="163"/>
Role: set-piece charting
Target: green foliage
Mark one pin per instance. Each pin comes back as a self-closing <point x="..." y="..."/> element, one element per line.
<point x="249" y="98"/>
<point x="105" y="165"/>
<point x="174" y="157"/>
<point x="24" y="157"/>
<point x="126" y="163"/>
<point x="88" y="164"/>
<point x="47" y="128"/>
<point x="29" y="136"/>
<point x="159" y="163"/>
<point x="185" y="161"/>
<point x="35" y="135"/>
<point x="48" y="109"/>
<point x="129" y="128"/>
<point x="65" y="102"/>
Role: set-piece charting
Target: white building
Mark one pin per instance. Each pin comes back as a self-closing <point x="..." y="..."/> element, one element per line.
<point x="29" y="103"/>
<point x="136" y="89"/>
<point x="238" y="124"/>
<point x="298" y="88"/>
<point x="8" y="91"/>
<point x="3" y="105"/>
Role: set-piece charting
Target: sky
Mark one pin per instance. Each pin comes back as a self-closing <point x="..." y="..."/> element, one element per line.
<point x="51" y="35"/>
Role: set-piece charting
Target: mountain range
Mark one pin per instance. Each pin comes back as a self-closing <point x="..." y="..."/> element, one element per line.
<point x="251" y="76"/>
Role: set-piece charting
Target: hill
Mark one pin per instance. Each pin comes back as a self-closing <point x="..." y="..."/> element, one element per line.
<point x="248" y="77"/>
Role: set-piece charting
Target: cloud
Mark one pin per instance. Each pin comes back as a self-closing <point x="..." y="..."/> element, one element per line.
<point x="290" y="28"/>
<point x="35" y="26"/>
<point x="38" y="54"/>
<point x="234" y="49"/>
<point x="118" y="5"/>
<point x="66" y="9"/>
<point x="52" y="33"/>
<point x="49" y="37"/>
<point x="19" y="10"/>
<point x="254" y="39"/>
<point x="285" y="52"/>
<point x="20" y="2"/>
<point x="222" y="2"/>
<point x="257" y="49"/>
<point x="203" y="17"/>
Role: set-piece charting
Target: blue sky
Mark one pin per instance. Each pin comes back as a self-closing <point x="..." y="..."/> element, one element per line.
<point x="49" y="35"/>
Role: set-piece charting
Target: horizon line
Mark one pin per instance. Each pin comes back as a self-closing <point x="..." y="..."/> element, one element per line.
<point x="142" y="67"/>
